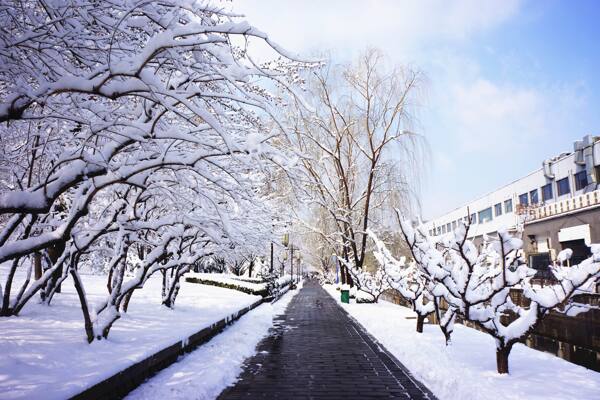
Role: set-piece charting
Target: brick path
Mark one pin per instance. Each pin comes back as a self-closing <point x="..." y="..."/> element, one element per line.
<point x="316" y="351"/>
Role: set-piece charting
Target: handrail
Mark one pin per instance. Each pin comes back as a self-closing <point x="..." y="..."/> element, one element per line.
<point x="541" y="211"/>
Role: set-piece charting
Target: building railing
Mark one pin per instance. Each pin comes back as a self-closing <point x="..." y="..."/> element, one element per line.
<point x="541" y="211"/>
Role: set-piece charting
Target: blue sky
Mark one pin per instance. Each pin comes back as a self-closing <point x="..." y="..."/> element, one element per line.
<point x="509" y="83"/>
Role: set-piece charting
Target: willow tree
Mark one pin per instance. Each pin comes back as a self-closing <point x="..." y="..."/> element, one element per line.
<point x="358" y="150"/>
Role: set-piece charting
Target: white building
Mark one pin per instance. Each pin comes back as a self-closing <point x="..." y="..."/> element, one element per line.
<point x="558" y="204"/>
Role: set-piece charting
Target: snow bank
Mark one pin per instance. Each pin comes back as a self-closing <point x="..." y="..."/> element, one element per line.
<point x="205" y="372"/>
<point x="467" y="368"/>
<point x="44" y="353"/>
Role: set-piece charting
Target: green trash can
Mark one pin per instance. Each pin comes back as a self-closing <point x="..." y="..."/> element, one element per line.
<point x="345" y="296"/>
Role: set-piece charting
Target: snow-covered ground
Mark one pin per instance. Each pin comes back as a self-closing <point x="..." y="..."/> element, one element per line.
<point x="205" y="372"/>
<point x="44" y="354"/>
<point x="467" y="368"/>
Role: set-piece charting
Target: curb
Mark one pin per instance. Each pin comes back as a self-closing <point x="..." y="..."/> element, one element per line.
<point x="123" y="382"/>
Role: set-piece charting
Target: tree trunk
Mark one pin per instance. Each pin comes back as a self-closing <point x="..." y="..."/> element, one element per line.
<point x="250" y="268"/>
<point x="420" y="321"/>
<point x="126" y="300"/>
<point x="349" y="279"/>
<point x="88" y="325"/>
<point x="502" y="354"/>
<point x="37" y="266"/>
<point x="5" y="309"/>
<point x="54" y="252"/>
<point x="447" y="334"/>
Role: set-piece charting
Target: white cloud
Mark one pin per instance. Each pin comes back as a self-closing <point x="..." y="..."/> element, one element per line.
<point x="395" y="26"/>
<point x="486" y="110"/>
<point x="490" y="114"/>
<point x="494" y="117"/>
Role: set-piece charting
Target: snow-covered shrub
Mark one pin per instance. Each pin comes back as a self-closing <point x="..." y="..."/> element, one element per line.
<point x="271" y="287"/>
<point x="228" y="282"/>
<point x="373" y="283"/>
<point x="270" y="278"/>
<point x="476" y="284"/>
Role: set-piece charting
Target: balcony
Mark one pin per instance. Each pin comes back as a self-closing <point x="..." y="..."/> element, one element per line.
<point x="542" y="211"/>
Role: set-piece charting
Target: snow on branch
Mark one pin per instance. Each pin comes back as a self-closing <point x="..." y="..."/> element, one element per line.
<point x="476" y="282"/>
<point x="136" y="139"/>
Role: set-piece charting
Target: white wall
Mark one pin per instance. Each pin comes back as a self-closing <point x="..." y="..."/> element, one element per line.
<point x="563" y="167"/>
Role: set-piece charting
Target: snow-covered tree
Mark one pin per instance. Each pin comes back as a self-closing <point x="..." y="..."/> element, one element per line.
<point x="476" y="283"/>
<point x="133" y="134"/>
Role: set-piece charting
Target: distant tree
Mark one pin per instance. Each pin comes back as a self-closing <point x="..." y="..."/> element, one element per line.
<point x="238" y="267"/>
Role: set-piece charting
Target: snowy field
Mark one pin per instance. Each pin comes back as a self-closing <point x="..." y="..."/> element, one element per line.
<point x="44" y="354"/>
<point x="204" y="373"/>
<point x="467" y="368"/>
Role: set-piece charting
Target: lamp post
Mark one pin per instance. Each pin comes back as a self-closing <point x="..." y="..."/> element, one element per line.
<point x="271" y="266"/>
<point x="292" y="262"/>
<point x="282" y="269"/>
<point x="286" y="242"/>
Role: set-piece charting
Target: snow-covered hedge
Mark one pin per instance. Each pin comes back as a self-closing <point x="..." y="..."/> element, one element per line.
<point x="258" y="288"/>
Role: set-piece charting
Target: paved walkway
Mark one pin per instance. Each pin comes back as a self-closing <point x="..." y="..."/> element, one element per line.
<point x="316" y="351"/>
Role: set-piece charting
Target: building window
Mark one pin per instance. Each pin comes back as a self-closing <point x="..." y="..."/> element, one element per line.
<point x="547" y="192"/>
<point x="439" y="230"/>
<point x="562" y="186"/>
<point x="448" y="229"/>
<point x="473" y="219"/>
<point x="508" y="206"/>
<point x="524" y="199"/>
<point x="453" y="225"/>
<point x="498" y="209"/>
<point x="485" y="215"/>
<point x="581" y="180"/>
<point x="533" y="195"/>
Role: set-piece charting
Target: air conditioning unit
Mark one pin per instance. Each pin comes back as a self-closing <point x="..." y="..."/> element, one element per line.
<point x="547" y="168"/>
<point x="578" y="147"/>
